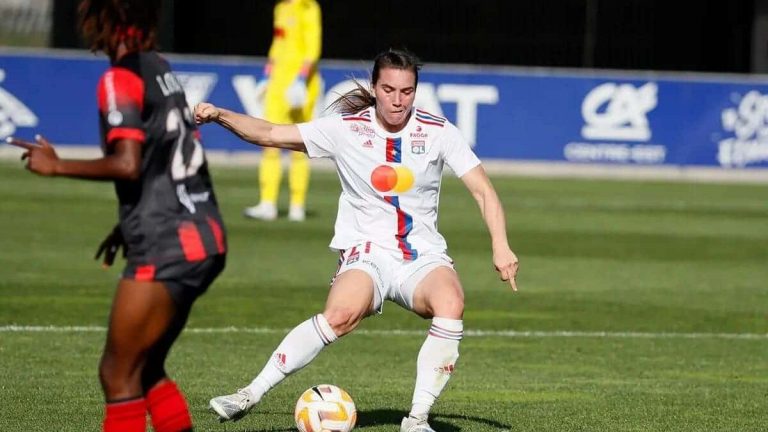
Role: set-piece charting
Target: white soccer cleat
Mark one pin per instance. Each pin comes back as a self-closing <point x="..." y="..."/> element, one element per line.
<point x="233" y="407"/>
<point x="297" y="214"/>
<point x="263" y="211"/>
<point x="411" y="424"/>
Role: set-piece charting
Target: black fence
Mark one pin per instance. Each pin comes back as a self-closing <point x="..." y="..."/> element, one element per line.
<point x="690" y="35"/>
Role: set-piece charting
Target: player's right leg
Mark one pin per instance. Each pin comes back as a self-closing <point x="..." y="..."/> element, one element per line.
<point x="437" y="295"/>
<point x="141" y="313"/>
<point x="166" y="404"/>
<point x="350" y="300"/>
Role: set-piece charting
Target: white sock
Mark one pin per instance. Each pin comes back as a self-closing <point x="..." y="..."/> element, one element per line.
<point x="435" y="364"/>
<point x="299" y="347"/>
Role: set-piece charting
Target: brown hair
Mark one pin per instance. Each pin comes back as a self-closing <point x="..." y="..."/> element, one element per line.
<point x="104" y="24"/>
<point x="360" y="97"/>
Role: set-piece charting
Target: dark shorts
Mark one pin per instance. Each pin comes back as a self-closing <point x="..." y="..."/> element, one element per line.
<point x="184" y="280"/>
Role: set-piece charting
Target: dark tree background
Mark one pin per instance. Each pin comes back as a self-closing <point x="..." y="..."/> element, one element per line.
<point x="682" y="35"/>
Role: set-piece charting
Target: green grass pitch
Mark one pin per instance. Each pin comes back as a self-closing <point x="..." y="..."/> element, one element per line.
<point x="643" y="306"/>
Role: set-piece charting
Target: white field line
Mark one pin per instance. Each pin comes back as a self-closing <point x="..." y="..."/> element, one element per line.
<point x="499" y="167"/>
<point x="468" y="333"/>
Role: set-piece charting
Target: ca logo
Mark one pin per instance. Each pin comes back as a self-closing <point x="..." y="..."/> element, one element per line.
<point x="748" y="123"/>
<point x="618" y="112"/>
<point x="13" y="113"/>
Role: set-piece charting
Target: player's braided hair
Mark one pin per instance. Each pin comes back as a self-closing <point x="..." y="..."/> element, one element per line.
<point x="104" y="24"/>
<point x="360" y="97"/>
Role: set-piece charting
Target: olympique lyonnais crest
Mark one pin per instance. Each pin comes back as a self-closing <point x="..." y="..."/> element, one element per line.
<point x="417" y="147"/>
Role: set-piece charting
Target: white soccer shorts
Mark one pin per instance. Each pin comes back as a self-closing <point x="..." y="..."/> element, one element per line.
<point x="394" y="279"/>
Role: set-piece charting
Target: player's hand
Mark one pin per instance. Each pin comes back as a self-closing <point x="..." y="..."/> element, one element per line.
<point x="506" y="263"/>
<point x="40" y="155"/>
<point x="110" y="246"/>
<point x="206" y="112"/>
<point x="296" y="95"/>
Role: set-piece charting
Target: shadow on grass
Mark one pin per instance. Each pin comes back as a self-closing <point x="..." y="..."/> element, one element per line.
<point x="438" y="421"/>
<point x="384" y="417"/>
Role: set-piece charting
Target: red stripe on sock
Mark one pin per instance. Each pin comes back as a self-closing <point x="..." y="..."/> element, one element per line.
<point x="168" y="408"/>
<point x="126" y="416"/>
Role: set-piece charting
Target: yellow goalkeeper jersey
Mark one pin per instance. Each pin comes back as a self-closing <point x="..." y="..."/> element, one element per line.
<point x="296" y="41"/>
<point x="297" y="33"/>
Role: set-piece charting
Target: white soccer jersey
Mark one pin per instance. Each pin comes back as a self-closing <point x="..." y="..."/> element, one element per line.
<point x="390" y="181"/>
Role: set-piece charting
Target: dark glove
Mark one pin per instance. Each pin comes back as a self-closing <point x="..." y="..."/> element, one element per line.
<point x="110" y="245"/>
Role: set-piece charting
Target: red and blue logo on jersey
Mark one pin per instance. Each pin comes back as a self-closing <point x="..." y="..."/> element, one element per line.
<point x="392" y="177"/>
<point x="396" y="178"/>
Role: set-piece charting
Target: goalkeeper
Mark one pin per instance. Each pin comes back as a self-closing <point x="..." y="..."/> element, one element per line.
<point x="290" y="87"/>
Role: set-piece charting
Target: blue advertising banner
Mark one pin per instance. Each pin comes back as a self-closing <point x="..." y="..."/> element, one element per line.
<point x="519" y="114"/>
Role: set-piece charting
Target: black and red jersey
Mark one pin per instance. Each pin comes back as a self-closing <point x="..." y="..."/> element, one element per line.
<point x="170" y="213"/>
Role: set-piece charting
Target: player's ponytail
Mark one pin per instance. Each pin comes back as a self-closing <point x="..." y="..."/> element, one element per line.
<point x="354" y="100"/>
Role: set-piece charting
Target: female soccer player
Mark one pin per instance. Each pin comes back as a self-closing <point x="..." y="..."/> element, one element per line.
<point x="390" y="157"/>
<point x="169" y="222"/>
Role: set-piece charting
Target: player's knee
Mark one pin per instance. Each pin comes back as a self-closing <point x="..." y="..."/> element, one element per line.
<point x="343" y="319"/>
<point x="120" y="376"/>
<point x="105" y="372"/>
<point x="449" y="306"/>
<point x="109" y="376"/>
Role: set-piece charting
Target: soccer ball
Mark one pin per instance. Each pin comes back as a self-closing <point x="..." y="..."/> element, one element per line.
<point x="325" y="408"/>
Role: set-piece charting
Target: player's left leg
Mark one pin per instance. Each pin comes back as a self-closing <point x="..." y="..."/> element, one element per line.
<point x="166" y="404"/>
<point x="439" y="296"/>
<point x="352" y="297"/>
<point x="141" y="314"/>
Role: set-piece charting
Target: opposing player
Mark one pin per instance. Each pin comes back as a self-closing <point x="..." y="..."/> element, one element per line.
<point x="292" y="85"/>
<point x="390" y="159"/>
<point x="169" y="222"/>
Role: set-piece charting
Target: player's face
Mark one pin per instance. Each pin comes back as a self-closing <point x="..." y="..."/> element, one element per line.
<point x="395" y="91"/>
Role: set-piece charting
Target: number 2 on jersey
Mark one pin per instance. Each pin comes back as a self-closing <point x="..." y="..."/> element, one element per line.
<point x="181" y="168"/>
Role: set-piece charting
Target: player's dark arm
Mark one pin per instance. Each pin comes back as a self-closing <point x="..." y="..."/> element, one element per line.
<point x="124" y="163"/>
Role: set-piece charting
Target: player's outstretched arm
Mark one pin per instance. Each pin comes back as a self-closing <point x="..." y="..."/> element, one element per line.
<point x="251" y="129"/>
<point x="504" y="260"/>
<point x="124" y="163"/>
